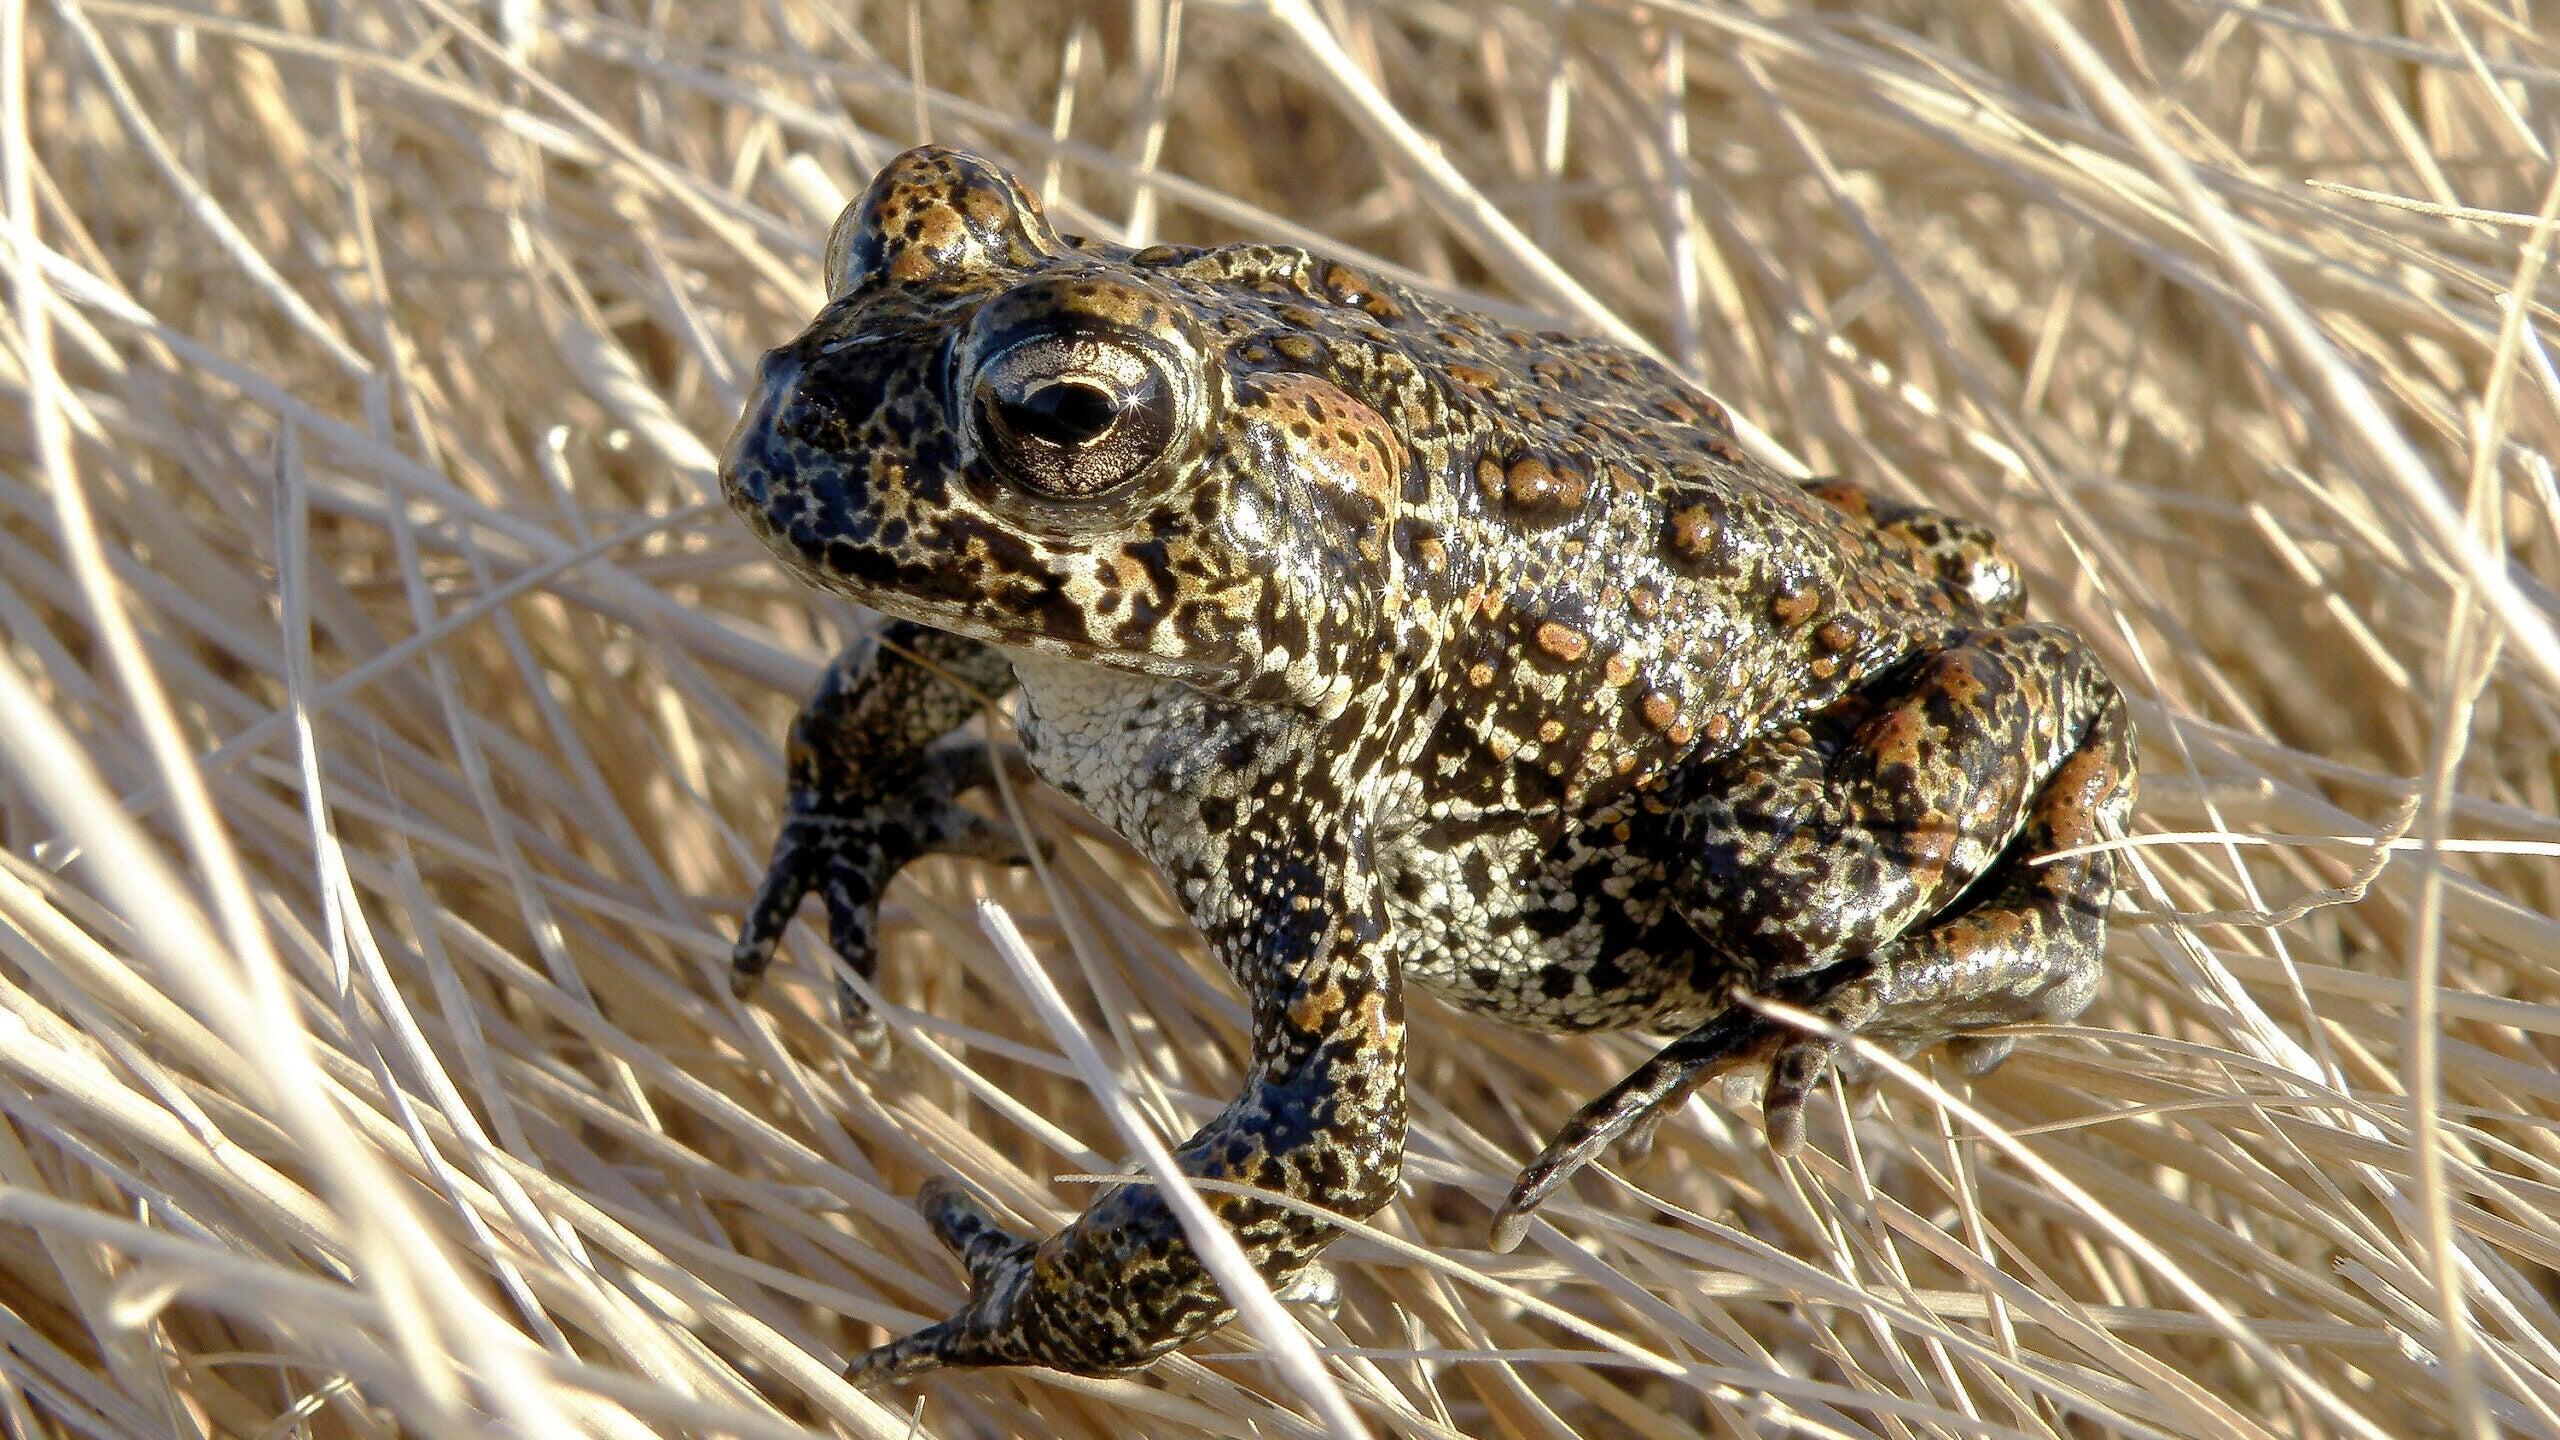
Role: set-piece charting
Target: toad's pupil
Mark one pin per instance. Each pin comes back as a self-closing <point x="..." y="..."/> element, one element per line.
<point x="1064" y="414"/>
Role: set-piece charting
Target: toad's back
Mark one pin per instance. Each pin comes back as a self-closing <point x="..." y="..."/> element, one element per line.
<point x="1553" y="544"/>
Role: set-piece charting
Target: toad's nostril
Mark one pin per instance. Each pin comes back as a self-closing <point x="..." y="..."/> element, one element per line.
<point x="780" y="368"/>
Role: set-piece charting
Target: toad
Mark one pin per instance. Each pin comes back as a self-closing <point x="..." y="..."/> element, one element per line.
<point x="1413" y="649"/>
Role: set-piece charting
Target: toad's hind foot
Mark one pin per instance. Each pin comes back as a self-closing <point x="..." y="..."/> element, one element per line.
<point x="1637" y="1105"/>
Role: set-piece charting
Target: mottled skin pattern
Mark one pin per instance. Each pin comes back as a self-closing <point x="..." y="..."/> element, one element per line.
<point x="1410" y="648"/>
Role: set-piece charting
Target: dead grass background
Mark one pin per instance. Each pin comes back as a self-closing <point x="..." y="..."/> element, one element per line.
<point x="393" y="713"/>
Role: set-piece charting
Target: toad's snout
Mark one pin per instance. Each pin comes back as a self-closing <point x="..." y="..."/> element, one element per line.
<point x="746" y="463"/>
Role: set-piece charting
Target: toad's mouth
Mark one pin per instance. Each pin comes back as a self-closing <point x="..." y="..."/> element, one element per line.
<point x="964" y="621"/>
<point x="938" y="590"/>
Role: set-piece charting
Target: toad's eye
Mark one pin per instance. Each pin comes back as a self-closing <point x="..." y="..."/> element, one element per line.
<point x="1073" y="416"/>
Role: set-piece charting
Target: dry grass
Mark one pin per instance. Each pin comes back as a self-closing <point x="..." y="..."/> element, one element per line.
<point x="393" y="713"/>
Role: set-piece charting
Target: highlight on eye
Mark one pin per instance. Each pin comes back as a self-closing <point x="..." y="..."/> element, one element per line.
<point x="1074" y="416"/>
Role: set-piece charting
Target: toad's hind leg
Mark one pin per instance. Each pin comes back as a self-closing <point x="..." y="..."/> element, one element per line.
<point x="2023" y="943"/>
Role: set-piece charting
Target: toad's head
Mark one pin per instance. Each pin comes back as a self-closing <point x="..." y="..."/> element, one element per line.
<point x="1065" y="447"/>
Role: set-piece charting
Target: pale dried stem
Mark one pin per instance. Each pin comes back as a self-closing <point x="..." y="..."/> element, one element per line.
<point x="369" y="1066"/>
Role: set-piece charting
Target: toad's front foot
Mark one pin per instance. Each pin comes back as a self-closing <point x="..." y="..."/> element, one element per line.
<point x="845" y="845"/>
<point x="875" y="782"/>
<point x="989" y="1329"/>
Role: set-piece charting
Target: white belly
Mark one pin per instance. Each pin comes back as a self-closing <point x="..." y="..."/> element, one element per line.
<point x="1139" y="752"/>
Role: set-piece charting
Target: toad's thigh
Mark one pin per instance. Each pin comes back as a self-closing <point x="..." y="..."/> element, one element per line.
<point x="1819" y="844"/>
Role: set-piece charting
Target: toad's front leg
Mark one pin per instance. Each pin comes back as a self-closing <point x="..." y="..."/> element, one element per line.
<point x="1321" y="1120"/>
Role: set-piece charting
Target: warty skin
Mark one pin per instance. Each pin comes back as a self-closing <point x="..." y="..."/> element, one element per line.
<point x="1410" y="648"/>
